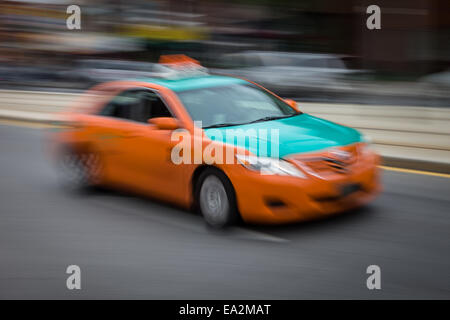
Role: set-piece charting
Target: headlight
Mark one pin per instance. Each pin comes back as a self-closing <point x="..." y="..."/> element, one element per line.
<point x="365" y="146"/>
<point x="366" y="139"/>
<point x="269" y="166"/>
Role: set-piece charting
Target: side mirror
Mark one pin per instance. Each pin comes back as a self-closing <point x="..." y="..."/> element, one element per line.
<point x="292" y="103"/>
<point x="164" y="123"/>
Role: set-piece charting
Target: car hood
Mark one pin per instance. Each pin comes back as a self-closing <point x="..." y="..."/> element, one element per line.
<point x="298" y="134"/>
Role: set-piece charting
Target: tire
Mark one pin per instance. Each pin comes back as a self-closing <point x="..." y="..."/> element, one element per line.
<point x="78" y="170"/>
<point x="216" y="199"/>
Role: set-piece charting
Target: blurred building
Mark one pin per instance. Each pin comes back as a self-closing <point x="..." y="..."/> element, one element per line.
<point x="414" y="38"/>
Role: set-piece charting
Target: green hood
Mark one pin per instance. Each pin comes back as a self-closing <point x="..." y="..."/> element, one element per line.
<point x="297" y="134"/>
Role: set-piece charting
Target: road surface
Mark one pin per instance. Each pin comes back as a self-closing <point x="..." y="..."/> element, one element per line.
<point x="131" y="247"/>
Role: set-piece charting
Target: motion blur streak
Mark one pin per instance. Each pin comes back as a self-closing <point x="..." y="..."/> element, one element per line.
<point x="444" y="175"/>
<point x="316" y="50"/>
<point x="130" y="247"/>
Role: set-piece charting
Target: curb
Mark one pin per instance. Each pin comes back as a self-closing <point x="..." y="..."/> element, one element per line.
<point x="437" y="167"/>
<point x="33" y="117"/>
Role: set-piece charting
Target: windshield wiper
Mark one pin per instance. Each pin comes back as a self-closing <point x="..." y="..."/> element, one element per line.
<point x="219" y="125"/>
<point x="272" y="118"/>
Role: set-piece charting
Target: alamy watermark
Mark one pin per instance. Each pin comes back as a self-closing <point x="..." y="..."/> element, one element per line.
<point x="218" y="146"/>
<point x="73" y="22"/>
<point x="374" y="280"/>
<point x="73" y="282"/>
<point x="374" y="20"/>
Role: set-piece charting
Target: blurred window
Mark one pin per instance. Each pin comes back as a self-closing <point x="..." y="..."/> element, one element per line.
<point x="281" y="60"/>
<point x="271" y="59"/>
<point x="335" y="63"/>
<point x="324" y="63"/>
<point x="136" y="105"/>
<point x="233" y="105"/>
<point x="152" y="107"/>
<point x="315" y="63"/>
<point x="235" y="61"/>
<point x="252" y="61"/>
<point x="296" y="60"/>
<point x="121" y="105"/>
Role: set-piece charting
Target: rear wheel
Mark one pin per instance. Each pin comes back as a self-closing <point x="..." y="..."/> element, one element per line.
<point x="216" y="199"/>
<point x="78" y="170"/>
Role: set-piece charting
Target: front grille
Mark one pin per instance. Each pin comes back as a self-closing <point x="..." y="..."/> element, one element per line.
<point x="337" y="160"/>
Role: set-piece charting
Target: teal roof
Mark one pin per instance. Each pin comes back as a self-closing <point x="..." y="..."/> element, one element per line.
<point x="193" y="83"/>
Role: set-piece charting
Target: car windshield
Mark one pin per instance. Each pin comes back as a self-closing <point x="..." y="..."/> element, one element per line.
<point x="233" y="105"/>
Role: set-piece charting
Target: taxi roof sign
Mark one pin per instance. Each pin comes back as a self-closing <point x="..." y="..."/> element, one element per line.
<point x="177" y="59"/>
<point x="182" y="66"/>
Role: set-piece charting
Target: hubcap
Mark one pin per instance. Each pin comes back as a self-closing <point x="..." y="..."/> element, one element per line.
<point x="214" y="201"/>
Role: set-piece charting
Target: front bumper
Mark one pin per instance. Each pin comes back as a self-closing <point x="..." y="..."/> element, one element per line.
<point x="282" y="199"/>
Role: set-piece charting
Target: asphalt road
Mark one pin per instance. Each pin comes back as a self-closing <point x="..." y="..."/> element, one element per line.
<point x="130" y="247"/>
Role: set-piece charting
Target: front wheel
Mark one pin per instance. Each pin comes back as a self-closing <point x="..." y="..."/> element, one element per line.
<point x="216" y="199"/>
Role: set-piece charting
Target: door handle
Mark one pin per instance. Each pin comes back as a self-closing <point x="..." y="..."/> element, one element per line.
<point x="130" y="135"/>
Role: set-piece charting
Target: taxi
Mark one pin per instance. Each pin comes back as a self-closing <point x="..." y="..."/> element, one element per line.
<point x="225" y="146"/>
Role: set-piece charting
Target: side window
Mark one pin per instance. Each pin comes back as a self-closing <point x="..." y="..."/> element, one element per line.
<point x="152" y="107"/>
<point x="122" y="105"/>
<point x="136" y="105"/>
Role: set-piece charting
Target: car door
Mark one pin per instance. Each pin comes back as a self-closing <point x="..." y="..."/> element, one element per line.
<point x="145" y="151"/>
<point x="110" y="132"/>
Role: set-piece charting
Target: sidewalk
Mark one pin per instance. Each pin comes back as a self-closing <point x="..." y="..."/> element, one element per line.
<point x="407" y="137"/>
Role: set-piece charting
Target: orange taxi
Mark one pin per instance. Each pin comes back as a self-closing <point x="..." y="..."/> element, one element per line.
<point x="223" y="145"/>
